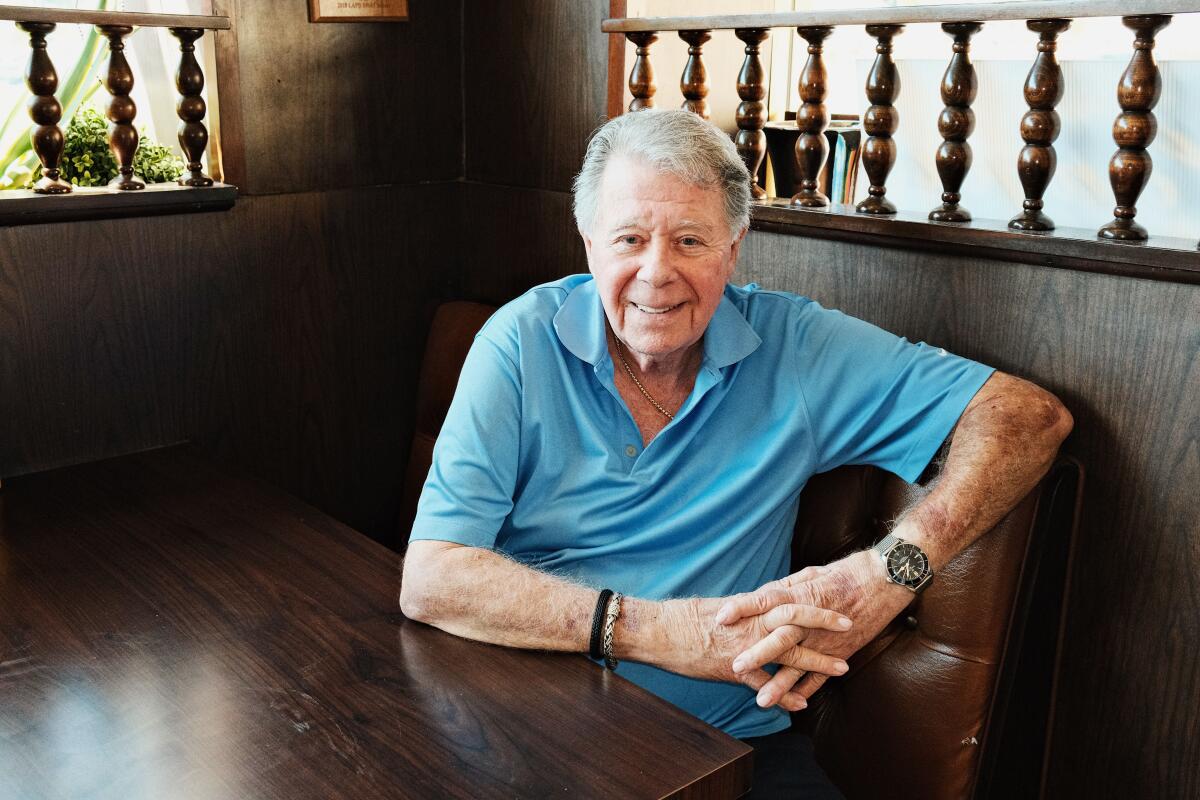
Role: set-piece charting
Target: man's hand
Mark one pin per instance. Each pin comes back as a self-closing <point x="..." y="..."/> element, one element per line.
<point x="855" y="586"/>
<point x="697" y="646"/>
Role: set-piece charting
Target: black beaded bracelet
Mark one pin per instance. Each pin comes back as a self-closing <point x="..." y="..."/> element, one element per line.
<point x="596" y="644"/>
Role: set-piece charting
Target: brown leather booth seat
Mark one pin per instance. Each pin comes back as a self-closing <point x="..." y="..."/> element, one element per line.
<point x="952" y="699"/>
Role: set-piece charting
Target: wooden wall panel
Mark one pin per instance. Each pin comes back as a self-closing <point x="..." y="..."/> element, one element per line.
<point x="284" y="335"/>
<point x="513" y="239"/>
<point x="331" y="105"/>
<point x="535" y="73"/>
<point x="1124" y="354"/>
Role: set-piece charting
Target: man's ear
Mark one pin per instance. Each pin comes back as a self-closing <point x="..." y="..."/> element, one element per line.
<point x="735" y="249"/>
<point x="587" y="246"/>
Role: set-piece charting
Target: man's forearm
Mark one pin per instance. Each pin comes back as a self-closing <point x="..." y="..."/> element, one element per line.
<point x="482" y="595"/>
<point x="1004" y="442"/>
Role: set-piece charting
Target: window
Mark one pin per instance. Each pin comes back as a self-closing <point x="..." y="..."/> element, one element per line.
<point x="153" y="54"/>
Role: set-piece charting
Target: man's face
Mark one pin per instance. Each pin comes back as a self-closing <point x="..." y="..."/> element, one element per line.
<point x="661" y="254"/>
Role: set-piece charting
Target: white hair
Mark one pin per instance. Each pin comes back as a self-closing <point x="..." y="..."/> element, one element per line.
<point x="675" y="142"/>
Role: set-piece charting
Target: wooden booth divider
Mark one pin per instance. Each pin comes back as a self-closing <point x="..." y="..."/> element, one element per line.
<point x="1133" y="131"/>
<point x="45" y="110"/>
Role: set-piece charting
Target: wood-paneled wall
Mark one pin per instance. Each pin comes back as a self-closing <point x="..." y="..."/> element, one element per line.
<point x="526" y="130"/>
<point x="331" y="105"/>
<point x="535" y="89"/>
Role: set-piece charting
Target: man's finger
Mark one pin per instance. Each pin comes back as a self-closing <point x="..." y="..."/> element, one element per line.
<point x="779" y="687"/>
<point x="768" y="649"/>
<point x="805" y="616"/>
<point x="755" y="678"/>
<point x="810" y="684"/>
<point x="781" y="647"/>
<point x="793" y="701"/>
<point x="811" y="661"/>
<point x="750" y="605"/>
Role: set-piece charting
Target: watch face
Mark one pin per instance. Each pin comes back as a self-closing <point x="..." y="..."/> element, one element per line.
<point x="907" y="564"/>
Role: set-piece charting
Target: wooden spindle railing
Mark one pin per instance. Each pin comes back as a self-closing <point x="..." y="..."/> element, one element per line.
<point x="641" y="77"/>
<point x="1134" y="129"/>
<point x="1040" y="125"/>
<point x="189" y="80"/>
<point x="122" y="136"/>
<point x="812" y="119"/>
<point x="752" y="112"/>
<point x="956" y="123"/>
<point x="693" y="84"/>
<point x="47" y="135"/>
<point x="45" y="110"/>
<point x="881" y="121"/>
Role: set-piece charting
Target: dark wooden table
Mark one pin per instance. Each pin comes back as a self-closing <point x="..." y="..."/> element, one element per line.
<point x="171" y="631"/>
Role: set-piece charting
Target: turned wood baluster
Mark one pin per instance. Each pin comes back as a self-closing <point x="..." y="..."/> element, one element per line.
<point x="811" y="119"/>
<point x="881" y="121"/>
<point x="189" y="80"/>
<point x="752" y="112"/>
<point x="641" y="77"/>
<point x="45" y="111"/>
<point x="956" y="122"/>
<point x="122" y="136"/>
<point x="694" y="82"/>
<point x="1134" y="129"/>
<point x="1040" y="126"/>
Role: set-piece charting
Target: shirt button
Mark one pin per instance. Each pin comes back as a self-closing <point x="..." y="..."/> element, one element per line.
<point x="630" y="450"/>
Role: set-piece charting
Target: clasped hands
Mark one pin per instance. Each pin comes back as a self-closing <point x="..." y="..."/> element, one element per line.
<point x="808" y="623"/>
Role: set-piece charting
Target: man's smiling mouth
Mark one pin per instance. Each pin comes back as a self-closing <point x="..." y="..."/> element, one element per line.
<point x="655" y="309"/>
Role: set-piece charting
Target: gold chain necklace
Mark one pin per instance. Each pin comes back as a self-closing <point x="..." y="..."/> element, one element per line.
<point x="636" y="382"/>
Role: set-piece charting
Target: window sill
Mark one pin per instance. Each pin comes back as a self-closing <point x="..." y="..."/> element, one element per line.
<point x="25" y="207"/>
<point x="1160" y="258"/>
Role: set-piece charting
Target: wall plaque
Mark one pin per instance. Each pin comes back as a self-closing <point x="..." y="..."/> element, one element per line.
<point x="358" y="10"/>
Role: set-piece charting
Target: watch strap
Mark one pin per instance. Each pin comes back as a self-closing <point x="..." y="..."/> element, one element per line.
<point x="885" y="544"/>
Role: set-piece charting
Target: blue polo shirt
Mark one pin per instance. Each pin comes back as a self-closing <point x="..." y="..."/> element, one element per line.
<point x="540" y="458"/>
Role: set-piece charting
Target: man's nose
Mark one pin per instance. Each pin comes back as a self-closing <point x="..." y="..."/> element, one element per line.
<point x="657" y="267"/>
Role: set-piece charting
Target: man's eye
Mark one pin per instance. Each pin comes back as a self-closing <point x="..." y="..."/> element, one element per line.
<point x="689" y="241"/>
<point x="629" y="241"/>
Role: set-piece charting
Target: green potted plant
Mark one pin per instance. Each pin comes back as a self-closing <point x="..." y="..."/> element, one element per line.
<point x="88" y="161"/>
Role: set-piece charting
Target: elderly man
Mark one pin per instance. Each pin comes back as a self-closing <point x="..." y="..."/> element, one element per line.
<point x="620" y="468"/>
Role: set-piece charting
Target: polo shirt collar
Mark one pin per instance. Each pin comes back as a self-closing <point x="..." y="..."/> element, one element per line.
<point x="580" y="325"/>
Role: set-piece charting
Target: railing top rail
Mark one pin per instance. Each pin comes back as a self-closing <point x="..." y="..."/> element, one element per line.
<point x="68" y="15"/>
<point x="984" y="12"/>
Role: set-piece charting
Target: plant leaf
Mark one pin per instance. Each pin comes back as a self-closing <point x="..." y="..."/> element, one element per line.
<point x="17" y="108"/>
<point x="19" y="148"/>
<point x="85" y="66"/>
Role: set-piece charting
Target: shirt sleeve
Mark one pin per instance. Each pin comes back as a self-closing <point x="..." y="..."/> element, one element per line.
<point x="876" y="398"/>
<point x="469" y="490"/>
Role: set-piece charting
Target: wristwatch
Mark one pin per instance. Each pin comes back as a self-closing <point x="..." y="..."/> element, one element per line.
<point x="905" y="563"/>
